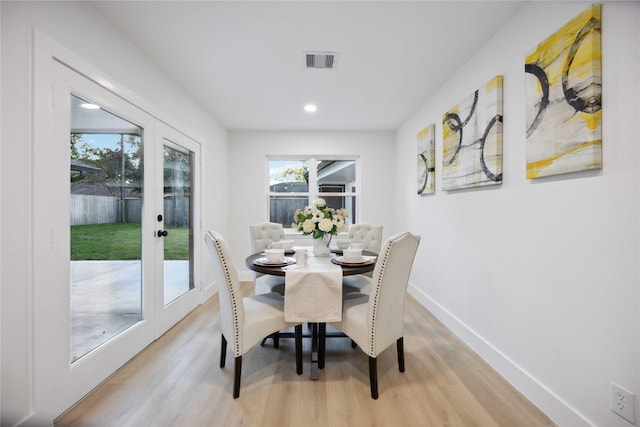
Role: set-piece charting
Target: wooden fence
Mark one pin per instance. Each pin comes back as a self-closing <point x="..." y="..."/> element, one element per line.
<point x="87" y="209"/>
<point x="281" y="209"/>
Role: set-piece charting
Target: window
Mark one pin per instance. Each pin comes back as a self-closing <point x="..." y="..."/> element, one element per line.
<point x="294" y="182"/>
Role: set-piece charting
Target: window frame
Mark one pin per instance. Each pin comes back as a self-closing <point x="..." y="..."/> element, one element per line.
<point x="314" y="189"/>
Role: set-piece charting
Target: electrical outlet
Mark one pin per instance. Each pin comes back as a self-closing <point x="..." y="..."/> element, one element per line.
<point x="623" y="403"/>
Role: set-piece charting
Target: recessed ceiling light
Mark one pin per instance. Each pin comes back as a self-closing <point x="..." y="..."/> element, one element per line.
<point x="90" y="106"/>
<point x="310" y="108"/>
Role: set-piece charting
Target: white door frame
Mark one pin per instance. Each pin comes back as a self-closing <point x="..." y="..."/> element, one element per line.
<point x="47" y="245"/>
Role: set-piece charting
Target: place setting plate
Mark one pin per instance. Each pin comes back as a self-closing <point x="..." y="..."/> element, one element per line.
<point x="363" y="260"/>
<point x="286" y="252"/>
<point x="280" y="263"/>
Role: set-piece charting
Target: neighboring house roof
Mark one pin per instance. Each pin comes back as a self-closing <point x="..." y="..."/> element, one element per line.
<point x="82" y="169"/>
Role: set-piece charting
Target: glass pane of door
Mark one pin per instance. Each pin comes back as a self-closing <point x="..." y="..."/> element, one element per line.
<point x="178" y="214"/>
<point x="105" y="215"/>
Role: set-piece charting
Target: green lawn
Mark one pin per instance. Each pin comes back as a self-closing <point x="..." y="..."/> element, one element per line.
<point x="122" y="242"/>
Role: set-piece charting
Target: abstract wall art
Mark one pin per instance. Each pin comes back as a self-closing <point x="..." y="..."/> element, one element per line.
<point x="426" y="160"/>
<point x="472" y="139"/>
<point x="563" y="87"/>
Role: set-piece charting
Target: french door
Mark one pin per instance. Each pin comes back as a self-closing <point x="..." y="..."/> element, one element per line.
<point x="178" y="207"/>
<point x="115" y="209"/>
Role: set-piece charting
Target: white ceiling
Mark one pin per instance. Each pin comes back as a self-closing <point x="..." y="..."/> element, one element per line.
<point x="243" y="61"/>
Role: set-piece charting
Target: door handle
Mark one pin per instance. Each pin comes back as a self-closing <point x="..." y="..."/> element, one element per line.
<point x="163" y="233"/>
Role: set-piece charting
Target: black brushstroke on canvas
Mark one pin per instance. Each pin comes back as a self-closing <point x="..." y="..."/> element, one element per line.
<point x="544" y="101"/>
<point x="455" y="124"/>
<point x="423" y="158"/>
<point x="593" y="102"/>
<point x="485" y="169"/>
<point x="589" y="104"/>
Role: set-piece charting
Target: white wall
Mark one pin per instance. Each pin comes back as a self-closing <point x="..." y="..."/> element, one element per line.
<point x="540" y="277"/>
<point x="78" y="27"/>
<point x="248" y="171"/>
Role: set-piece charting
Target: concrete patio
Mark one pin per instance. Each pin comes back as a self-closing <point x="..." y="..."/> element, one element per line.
<point x="106" y="299"/>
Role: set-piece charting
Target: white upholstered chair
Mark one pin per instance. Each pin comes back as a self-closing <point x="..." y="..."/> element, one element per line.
<point x="376" y="320"/>
<point x="245" y="321"/>
<point x="265" y="233"/>
<point x="262" y="235"/>
<point x="370" y="235"/>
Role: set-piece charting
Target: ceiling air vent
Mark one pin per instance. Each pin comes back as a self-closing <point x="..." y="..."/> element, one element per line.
<point x="322" y="60"/>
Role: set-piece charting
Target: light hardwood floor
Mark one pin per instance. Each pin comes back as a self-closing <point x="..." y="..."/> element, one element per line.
<point x="177" y="381"/>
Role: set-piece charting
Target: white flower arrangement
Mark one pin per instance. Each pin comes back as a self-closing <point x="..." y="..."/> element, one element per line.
<point x="320" y="220"/>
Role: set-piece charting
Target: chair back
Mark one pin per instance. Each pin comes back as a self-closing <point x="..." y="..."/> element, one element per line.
<point x="388" y="287"/>
<point x="370" y="235"/>
<point x="229" y="294"/>
<point x="263" y="234"/>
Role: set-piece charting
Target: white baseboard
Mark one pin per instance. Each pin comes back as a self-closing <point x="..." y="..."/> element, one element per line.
<point x="555" y="408"/>
<point x="209" y="290"/>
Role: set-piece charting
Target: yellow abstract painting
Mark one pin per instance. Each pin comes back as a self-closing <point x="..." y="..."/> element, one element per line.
<point x="564" y="99"/>
<point x="426" y="160"/>
<point x="472" y="139"/>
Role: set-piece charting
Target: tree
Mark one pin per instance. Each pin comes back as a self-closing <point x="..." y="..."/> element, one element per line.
<point x="298" y="174"/>
<point x="120" y="167"/>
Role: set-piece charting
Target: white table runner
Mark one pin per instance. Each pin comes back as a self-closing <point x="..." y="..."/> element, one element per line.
<point x="313" y="293"/>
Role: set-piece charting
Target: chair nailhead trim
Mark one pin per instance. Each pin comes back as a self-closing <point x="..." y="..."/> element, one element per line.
<point x="376" y="294"/>
<point x="234" y="299"/>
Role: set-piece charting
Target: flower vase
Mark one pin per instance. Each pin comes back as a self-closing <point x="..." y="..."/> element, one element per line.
<point x="321" y="246"/>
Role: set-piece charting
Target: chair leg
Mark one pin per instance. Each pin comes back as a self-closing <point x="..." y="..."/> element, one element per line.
<point x="400" y="347"/>
<point x="276" y="340"/>
<point x="373" y="376"/>
<point x="322" y="336"/>
<point x="223" y="350"/>
<point x="236" y="376"/>
<point x="298" y="338"/>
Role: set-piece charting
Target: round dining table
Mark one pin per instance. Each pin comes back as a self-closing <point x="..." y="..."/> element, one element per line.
<point x="347" y="269"/>
<point x="318" y="334"/>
